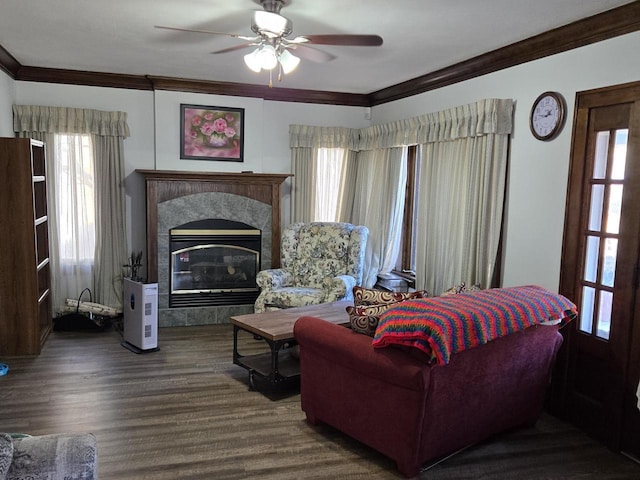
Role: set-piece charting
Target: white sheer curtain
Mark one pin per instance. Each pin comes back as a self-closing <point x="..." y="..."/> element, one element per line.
<point x="462" y="189"/>
<point x="378" y="203"/>
<point x="329" y="169"/>
<point x="73" y="215"/>
<point x="94" y="211"/>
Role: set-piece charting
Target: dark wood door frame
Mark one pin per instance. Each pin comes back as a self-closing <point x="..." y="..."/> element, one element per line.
<point x="624" y="351"/>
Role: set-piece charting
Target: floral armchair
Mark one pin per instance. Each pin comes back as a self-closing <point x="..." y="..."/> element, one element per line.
<point x="321" y="262"/>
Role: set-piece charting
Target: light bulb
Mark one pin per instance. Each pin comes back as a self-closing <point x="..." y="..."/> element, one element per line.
<point x="252" y="61"/>
<point x="288" y="61"/>
<point x="267" y="57"/>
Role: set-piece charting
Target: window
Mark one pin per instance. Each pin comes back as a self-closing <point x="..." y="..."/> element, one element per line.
<point x="329" y="174"/>
<point x="75" y="200"/>
<point x="406" y="262"/>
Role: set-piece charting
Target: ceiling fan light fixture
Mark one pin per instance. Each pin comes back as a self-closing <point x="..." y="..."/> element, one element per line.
<point x="252" y="61"/>
<point x="288" y="61"/>
<point x="267" y="57"/>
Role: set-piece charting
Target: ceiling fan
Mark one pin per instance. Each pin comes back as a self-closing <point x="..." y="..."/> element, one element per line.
<point x="274" y="49"/>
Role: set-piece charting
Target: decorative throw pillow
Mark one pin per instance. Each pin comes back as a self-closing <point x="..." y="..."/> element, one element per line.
<point x="370" y="296"/>
<point x="6" y="454"/>
<point x="365" y="318"/>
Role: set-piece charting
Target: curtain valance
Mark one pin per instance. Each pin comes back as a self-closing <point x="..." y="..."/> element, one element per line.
<point x="475" y="119"/>
<point x="306" y="136"/>
<point x="491" y="115"/>
<point x="36" y="118"/>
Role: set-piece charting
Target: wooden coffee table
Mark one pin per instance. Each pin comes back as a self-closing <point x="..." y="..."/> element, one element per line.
<point x="277" y="369"/>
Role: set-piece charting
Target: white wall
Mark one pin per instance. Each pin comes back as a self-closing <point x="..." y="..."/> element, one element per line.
<point x="7" y="96"/>
<point x="167" y="120"/>
<point x="538" y="170"/>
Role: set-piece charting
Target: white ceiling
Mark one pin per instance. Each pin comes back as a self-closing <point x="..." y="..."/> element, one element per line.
<point x="420" y="36"/>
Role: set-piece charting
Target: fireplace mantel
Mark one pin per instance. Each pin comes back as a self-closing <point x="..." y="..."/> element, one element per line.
<point x="164" y="185"/>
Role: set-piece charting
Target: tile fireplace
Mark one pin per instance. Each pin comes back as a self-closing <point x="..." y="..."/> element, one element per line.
<point x="208" y="234"/>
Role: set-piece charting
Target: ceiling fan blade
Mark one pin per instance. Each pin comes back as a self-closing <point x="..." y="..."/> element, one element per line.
<point x="310" y="53"/>
<point x="236" y="47"/>
<point x="345" y="40"/>
<point x="178" y="29"/>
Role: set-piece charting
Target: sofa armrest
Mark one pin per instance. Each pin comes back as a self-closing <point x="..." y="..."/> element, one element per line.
<point x="274" y="278"/>
<point x="354" y="351"/>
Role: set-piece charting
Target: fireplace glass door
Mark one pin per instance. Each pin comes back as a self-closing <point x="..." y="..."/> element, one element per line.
<point x="213" y="266"/>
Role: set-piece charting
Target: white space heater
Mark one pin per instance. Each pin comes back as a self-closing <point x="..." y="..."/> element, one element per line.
<point x="140" y="316"/>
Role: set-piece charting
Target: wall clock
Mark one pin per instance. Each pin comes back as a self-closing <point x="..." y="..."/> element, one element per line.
<point x="547" y="115"/>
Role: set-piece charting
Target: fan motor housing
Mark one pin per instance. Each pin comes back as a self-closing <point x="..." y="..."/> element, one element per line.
<point x="272" y="5"/>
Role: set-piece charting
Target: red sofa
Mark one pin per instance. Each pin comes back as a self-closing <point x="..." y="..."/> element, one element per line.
<point x="414" y="412"/>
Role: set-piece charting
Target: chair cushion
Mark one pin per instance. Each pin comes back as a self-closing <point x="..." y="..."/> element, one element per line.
<point x="289" y="297"/>
<point x="321" y="252"/>
<point x="6" y="454"/>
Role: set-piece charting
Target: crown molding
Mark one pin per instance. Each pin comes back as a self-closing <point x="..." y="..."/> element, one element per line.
<point x="77" y="77"/>
<point x="8" y="63"/>
<point x="149" y="82"/>
<point x="609" y="24"/>
<point x="259" y="91"/>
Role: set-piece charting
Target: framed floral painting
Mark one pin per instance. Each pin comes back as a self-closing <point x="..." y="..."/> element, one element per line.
<point x="211" y="133"/>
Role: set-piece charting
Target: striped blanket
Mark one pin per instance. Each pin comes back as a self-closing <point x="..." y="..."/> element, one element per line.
<point x="442" y="326"/>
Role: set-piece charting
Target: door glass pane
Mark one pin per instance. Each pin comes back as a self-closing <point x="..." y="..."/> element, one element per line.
<point x="619" y="154"/>
<point x="586" y="313"/>
<point x="591" y="259"/>
<point x="602" y="149"/>
<point x="609" y="265"/>
<point x="595" y="213"/>
<point x="613" y="209"/>
<point x="604" y="314"/>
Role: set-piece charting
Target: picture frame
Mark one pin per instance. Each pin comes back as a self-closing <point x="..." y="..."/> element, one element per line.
<point x="211" y="133"/>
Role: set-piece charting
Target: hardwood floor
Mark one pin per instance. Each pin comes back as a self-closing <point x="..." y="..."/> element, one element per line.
<point x="185" y="412"/>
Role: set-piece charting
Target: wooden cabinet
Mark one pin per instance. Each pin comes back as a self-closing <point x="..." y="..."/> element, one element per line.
<point x="25" y="279"/>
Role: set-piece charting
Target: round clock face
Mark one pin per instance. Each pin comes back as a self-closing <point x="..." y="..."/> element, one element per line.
<point x="547" y="115"/>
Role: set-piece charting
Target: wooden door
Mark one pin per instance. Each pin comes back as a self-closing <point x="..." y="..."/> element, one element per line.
<point x="600" y="265"/>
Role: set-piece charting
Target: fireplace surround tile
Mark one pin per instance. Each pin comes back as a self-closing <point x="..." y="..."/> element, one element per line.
<point x="202" y="206"/>
<point x="177" y="197"/>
